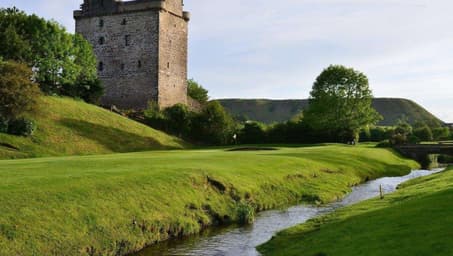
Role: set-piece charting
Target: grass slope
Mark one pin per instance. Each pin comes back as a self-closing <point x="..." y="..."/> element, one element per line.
<point x="69" y="127"/>
<point x="114" y="204"/>
<point x="270" y="111"/>
<point x="416" y="220"/>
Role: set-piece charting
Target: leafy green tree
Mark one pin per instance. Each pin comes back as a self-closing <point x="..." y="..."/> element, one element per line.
<point x="340" y="103"/>
<point x="252" y="133"/>
<point x="441" y="133"/>
<point x="197" y="92"/>
<point x="18" y="94"/>
<point x="424" y="133"/>
<point x="63" y="63"/>
<point x="213" y="125"/>
<point x="178" y="118"/>
<point x="402" y="133"/>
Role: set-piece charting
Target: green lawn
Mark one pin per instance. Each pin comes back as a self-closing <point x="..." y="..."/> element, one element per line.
<point x="70" y="127"/>
<point x="113" y="204"/>
<point x="416" y="220"/>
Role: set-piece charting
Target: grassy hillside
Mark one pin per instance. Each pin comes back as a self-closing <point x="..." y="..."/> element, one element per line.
<point x="416" y="220"/>
<point x="69" y="127"/>
<point x="269" y="111"/>
<point x="114" y="204"/>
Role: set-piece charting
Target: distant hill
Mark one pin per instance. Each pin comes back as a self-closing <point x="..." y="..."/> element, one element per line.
<point x="270" y="111"/>
<point x="70" y="127"/>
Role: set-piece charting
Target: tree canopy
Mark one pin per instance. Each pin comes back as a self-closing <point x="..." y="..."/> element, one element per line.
<point x="18" y="94"/>
<point x="62" y="63"/>
<point x="196" y="91"/>
<point x="340" y="103"/>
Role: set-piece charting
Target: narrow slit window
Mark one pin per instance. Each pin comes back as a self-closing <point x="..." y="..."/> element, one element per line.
<point x="124" y="22"/>
<point x="168" y="64"/>
<point x="127" y="40"/>
<point x="101" y="23"/>
<point x="139" y="64"/>
<point x="122" y="66"/>
<point x="101" y="40"/>
<point x="101" y="66"/>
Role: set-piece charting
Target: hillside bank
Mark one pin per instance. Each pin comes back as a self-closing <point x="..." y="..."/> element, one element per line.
<point x="416" y="220"/>
<point x="70" y="127"/>
<point x="116" y="204"/>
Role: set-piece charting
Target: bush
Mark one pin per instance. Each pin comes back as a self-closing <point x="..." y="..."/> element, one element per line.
<point x="441" y="133"/>
<point x="21" y="127"/>
<point x="213" y="125"/>
<point x="246" y="213"/>
<point x="424" y="133"/>
<point x="252" y="133"/>
<point x="18" y="94"/>
<point x="178" y="120"/>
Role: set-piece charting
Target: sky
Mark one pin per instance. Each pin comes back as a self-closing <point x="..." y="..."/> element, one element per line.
<point x="276" y="49"/>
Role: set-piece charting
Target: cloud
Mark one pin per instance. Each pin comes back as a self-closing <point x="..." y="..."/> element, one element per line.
<point x="275" y="49"/>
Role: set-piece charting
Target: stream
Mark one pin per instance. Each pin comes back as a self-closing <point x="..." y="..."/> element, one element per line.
<point x="241" y="240"/>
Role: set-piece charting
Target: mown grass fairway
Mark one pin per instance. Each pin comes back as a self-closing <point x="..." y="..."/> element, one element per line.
<point x="70" y="127"/>
<point x="416" y="220"/>
<point x="113" y="204"/>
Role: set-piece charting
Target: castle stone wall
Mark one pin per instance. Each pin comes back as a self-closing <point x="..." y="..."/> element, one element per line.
<point x="141" y="47"/>
<point x="172" y="60"/>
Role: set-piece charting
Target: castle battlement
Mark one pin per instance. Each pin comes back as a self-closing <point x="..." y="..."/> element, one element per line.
<point x="141" y="48"/>
<point x="111" y="7"/>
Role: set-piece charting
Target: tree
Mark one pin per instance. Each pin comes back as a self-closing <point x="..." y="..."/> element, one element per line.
<point x="178" y="119"/>
<point x="424" y="133"/>
<point x="213" y="125"/>
<point x="197" y="92"/>
<point x="340" y="103"/>
<point x="402" y="132"/>
<point x="63" y="63"/>
<point x="18" y="94"/>
<point x="441" y="133"/>
<point x="252" y="133"/>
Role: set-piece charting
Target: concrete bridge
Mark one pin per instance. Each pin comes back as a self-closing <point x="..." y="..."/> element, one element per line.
<point x="425" y="154"/>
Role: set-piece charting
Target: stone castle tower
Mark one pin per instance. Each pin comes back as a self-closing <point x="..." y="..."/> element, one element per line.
<point x="141" y="47"/>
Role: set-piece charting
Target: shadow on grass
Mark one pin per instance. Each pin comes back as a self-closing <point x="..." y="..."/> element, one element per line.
<point x="114" y="139"/>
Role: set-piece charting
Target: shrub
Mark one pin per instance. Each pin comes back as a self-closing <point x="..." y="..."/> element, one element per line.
<point x="18" y="94"/>
<point x="21" y="127"/>
<point x="213" y="125"/>
<point x="424" y="133"/>
<point x="246" y="213"/>
<point x="252" y="133"/>
<point x="178" y="119"/>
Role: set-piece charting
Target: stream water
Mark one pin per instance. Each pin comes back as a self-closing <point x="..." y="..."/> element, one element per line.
<point x="242" y="240"/>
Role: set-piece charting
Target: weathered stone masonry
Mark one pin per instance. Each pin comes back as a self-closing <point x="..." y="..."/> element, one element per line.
<point x="141" y="47"/>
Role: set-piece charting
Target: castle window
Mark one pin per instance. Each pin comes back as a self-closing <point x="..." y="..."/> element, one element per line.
<point x="168" y="64"/>
<point x="124" y="22"/>
<point x="139" y="64"/>
<point x="122" y="66"/>
<point x="101" y="40"/>
<point x="101" y="66"/>
<point x="127" y="40"/>
<point x="101" y="23"/>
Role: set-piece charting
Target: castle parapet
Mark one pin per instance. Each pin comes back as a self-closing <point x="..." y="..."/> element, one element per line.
<point x="92" y="8"/>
